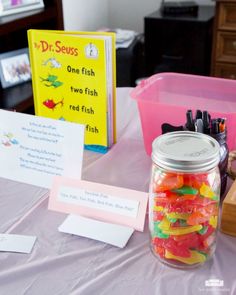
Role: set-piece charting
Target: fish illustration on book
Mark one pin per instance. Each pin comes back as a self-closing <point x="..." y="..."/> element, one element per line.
<point x="51" y="81"/>
<point x="51" y="104"/>
<point x="52" y="62"/>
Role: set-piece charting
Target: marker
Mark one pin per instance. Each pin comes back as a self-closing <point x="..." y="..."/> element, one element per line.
<point x="190" y="123"/>
<point x="214" y="126"/>
<point x="166" y="127"/>
<point x="199" y="127"/>
<point x="198" y="114"/>
<point x="222" y="125"/>
<point x="206" y="122"/>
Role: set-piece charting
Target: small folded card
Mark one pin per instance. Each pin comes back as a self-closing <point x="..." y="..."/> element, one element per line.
<point x="16" y="243"/>
<point x="35" y="149"/>
<point x="116" y="235"/>
<point x="102" y="202"/>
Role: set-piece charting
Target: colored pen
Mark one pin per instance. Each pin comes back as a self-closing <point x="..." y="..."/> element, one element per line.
<point x="206" y="122"/>
<point x="222" y="125"/>
<point x="198" y="114"/>
<point x="190" y="123"/>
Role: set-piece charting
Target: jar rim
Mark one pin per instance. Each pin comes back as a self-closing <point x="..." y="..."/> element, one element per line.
<point x="186" y="151"/>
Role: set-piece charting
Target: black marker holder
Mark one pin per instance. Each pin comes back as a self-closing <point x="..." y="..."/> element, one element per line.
<point x="210" y="127"/>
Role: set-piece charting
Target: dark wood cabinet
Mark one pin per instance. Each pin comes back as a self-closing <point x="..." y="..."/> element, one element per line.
<point x="224" y="44"/>
<point x="13" y="35"/>
<point x="180" y="43"/>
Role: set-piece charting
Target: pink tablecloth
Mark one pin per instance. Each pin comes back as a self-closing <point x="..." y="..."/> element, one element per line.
<point x="64" y="264"/>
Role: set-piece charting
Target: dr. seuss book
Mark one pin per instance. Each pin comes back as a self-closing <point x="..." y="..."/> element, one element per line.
<point x="73" y="77"/>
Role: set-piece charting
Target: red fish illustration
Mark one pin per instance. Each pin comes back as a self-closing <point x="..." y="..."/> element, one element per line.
<point x="51" y="104"/>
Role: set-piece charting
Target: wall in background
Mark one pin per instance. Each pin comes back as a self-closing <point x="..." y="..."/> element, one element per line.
<point x="85" y="15"/>
<point x="129" y="14"/>
<point x="124" y="14"/>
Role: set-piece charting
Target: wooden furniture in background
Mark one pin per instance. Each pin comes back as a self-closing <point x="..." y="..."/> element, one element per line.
<point x="13" y="35"/>
<point x="224" y="40"/>
<point x="228" y="216"/>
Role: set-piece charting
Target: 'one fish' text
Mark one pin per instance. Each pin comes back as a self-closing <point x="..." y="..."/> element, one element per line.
<point x="84" y="71"/>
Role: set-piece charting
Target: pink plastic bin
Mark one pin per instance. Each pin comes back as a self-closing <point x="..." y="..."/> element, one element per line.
<point x="165" y="98"/>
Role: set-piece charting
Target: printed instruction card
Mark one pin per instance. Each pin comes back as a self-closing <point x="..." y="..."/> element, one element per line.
<point x="35" y="149"/>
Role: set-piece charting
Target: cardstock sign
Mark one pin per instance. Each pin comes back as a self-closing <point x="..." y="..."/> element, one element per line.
<point x="116" y="235"/>
<point x="16" y="243"/>
<point x="35" y="149"/>
<point x="98" y="201"/>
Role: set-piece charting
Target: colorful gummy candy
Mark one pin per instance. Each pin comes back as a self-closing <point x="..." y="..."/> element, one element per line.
<point x="183" y="216"/>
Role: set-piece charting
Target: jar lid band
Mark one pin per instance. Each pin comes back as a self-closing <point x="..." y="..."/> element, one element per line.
<point x="186" y="151"/>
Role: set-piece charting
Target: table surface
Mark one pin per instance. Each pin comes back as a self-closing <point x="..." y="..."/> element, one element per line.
<point x="64" y="264"/>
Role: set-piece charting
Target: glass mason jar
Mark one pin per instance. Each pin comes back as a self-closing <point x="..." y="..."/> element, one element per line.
<point x="224" y="155"/>
<point x="184" y="198"/>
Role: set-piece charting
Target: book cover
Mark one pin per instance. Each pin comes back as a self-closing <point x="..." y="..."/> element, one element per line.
<point x="74" y="79"/>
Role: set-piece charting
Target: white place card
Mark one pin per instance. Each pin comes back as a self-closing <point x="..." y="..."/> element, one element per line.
<point x="16" y="243"/>
<point x="116" y="235"/>
<point x="98" y="201"/>
<point x="35" y="149"/>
